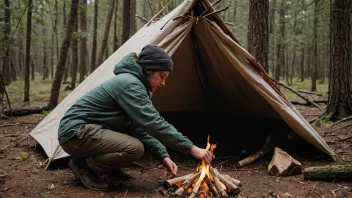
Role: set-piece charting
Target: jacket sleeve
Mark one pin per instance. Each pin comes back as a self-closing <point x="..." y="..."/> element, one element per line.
<point x="157" y="149"/>
<point x="135" y="101"/>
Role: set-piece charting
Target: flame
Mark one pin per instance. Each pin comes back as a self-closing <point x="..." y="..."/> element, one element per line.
<point x="205" y="170"/>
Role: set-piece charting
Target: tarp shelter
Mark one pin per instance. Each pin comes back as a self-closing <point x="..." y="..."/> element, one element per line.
<point x="212" y="71"/>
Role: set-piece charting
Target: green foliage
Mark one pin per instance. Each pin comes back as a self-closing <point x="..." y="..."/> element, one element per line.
<point x="24" y="156"/>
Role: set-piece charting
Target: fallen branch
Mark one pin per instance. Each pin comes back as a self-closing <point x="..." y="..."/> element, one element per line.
<point x="324" y="101"/>
<point x="263" y="151"/>
<point x="309" y="92"/>
<point x="26" y="110"/>
<point x="335" y="123"/>
<point x="16" y="124"/>
<point x="337" y="129"/>
<point x="300" y="95"/>
<point x="332" y="173"/>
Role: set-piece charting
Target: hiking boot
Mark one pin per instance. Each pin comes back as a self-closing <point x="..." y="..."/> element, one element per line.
<point x="120" y="174"/>
<point x="88" y="178"/>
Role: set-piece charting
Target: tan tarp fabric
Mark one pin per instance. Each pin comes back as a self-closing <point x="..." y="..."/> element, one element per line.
<point x="211" y="72"/>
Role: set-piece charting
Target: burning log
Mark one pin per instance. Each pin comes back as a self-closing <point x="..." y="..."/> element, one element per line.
<point x="174" y="181"/>
<point x="234" y="181"/>
<point x="232" y="187"/>
<point x="186" y="184"/>
<point x="221" y="189"/>
<point x="211" y="186"/>
<point x="207" y="182"/>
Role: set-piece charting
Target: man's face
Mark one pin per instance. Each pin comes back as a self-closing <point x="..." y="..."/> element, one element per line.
<point x="156" y="79"/>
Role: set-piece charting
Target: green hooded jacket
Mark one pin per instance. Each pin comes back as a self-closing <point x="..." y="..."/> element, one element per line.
<point x="124" y="102"/>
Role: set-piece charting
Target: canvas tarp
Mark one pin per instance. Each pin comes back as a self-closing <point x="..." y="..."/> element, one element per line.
<point x="211" y="71"/>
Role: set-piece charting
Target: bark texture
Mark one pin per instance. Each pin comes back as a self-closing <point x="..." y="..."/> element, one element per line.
<point x="126" y="26"/>
<point x="258" y="36"/>
<point x="94" y="45"/>
<point x="339" y="100"/>
<point x="74" y="52"/>
<point x="106" y="33"/>
<point x="84" y="51"/>
<point x="55" y="89"/>
<point x="28" y="51"/>
<point x="6" y="39"/>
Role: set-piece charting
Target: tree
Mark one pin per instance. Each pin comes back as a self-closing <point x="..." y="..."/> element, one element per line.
<point x="28" y="51"/>
<point x="116" y="40"/>
<point x="133" y="18"/>
<point x="106" y="33"/>
<point x="281" y="43"/>
<point x="315" y="48"/>
<point x="258" y="38"/>
<point x="84" y="51"/>
<point x="126" y="26"/>
<point x="74" y="52"/>
<point x="55" y="89"/>
<point x="94" y="45"/>
<point x="6" y="42"/>
<point x="339" y="100"/>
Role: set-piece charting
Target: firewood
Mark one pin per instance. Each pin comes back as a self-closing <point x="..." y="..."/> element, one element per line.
<point x="232" y="187"/>
<point x="331" y="173"/>
<point x="282" y="164"/>
<point x="187" y="183"/>
<point x="211" y="187"/>
<point x="197" y="185"/>
<point x="263" y="151"/>
<point x="233" y="180"/>
<point x="174" y="181"/>
<point x="218" y="185"/>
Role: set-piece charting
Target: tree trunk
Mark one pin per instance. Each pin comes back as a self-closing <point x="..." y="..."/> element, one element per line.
<point x="74" y="52"/>
<point x="6" y="41"/>
<point x="28" y="51"/>
<point x="258" y="39"/>
<point x="302" y="63"/>
<point x="272" y="6"/>
<point x="94" y="46"/>
<point x="116" y="41"/>
<point x="55" y="89"/>
<point x="315" y="48"/>
<point x="68" y="59"/>
<point x="106" y="33"/>
<point x="55" y="30"/>
<point x="330" y="173"/>
<point x="83" y="39"/>
<point x="45" y="66"/>
<point x="281" y="44"/>
<point x="133" y="18"/>
<point x="32" y="69"/>
<point x="126" y="21"/>
<point x="309" y="53"/>
<point x="339" y="99"/>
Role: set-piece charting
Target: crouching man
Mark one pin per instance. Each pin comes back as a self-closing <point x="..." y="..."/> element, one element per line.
<point x="107" y="128"/>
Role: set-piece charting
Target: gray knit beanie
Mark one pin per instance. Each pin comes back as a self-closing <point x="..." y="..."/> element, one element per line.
<point x="154" y="58"/>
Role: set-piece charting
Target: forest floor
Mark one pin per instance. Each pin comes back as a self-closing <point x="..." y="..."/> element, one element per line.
<point x="25" y="177"/>
<point x="22" y="173"/>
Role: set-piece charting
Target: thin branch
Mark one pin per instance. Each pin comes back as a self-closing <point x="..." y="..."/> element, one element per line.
<point x="217" y="11"/>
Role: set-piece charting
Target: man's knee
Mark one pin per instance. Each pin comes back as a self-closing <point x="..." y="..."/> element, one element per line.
<point x="137" y="149"/>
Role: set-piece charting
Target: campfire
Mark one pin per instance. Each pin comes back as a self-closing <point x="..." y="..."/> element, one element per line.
<point x="205" y="182"/>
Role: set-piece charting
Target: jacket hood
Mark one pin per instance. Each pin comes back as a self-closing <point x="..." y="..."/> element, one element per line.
<point x="129" y="65"/>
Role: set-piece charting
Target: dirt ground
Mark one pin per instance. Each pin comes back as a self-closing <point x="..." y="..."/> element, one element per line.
<point x="21" y="173"/>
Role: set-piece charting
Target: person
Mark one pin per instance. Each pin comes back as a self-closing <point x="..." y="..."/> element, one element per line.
<point x="108" y="127"/>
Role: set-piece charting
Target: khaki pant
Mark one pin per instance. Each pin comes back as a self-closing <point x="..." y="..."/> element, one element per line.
<point x="104" y="149"/>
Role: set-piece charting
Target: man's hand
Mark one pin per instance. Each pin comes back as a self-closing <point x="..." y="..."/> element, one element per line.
<point x="202" y="154"/>
<point x="170" y="165"/>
